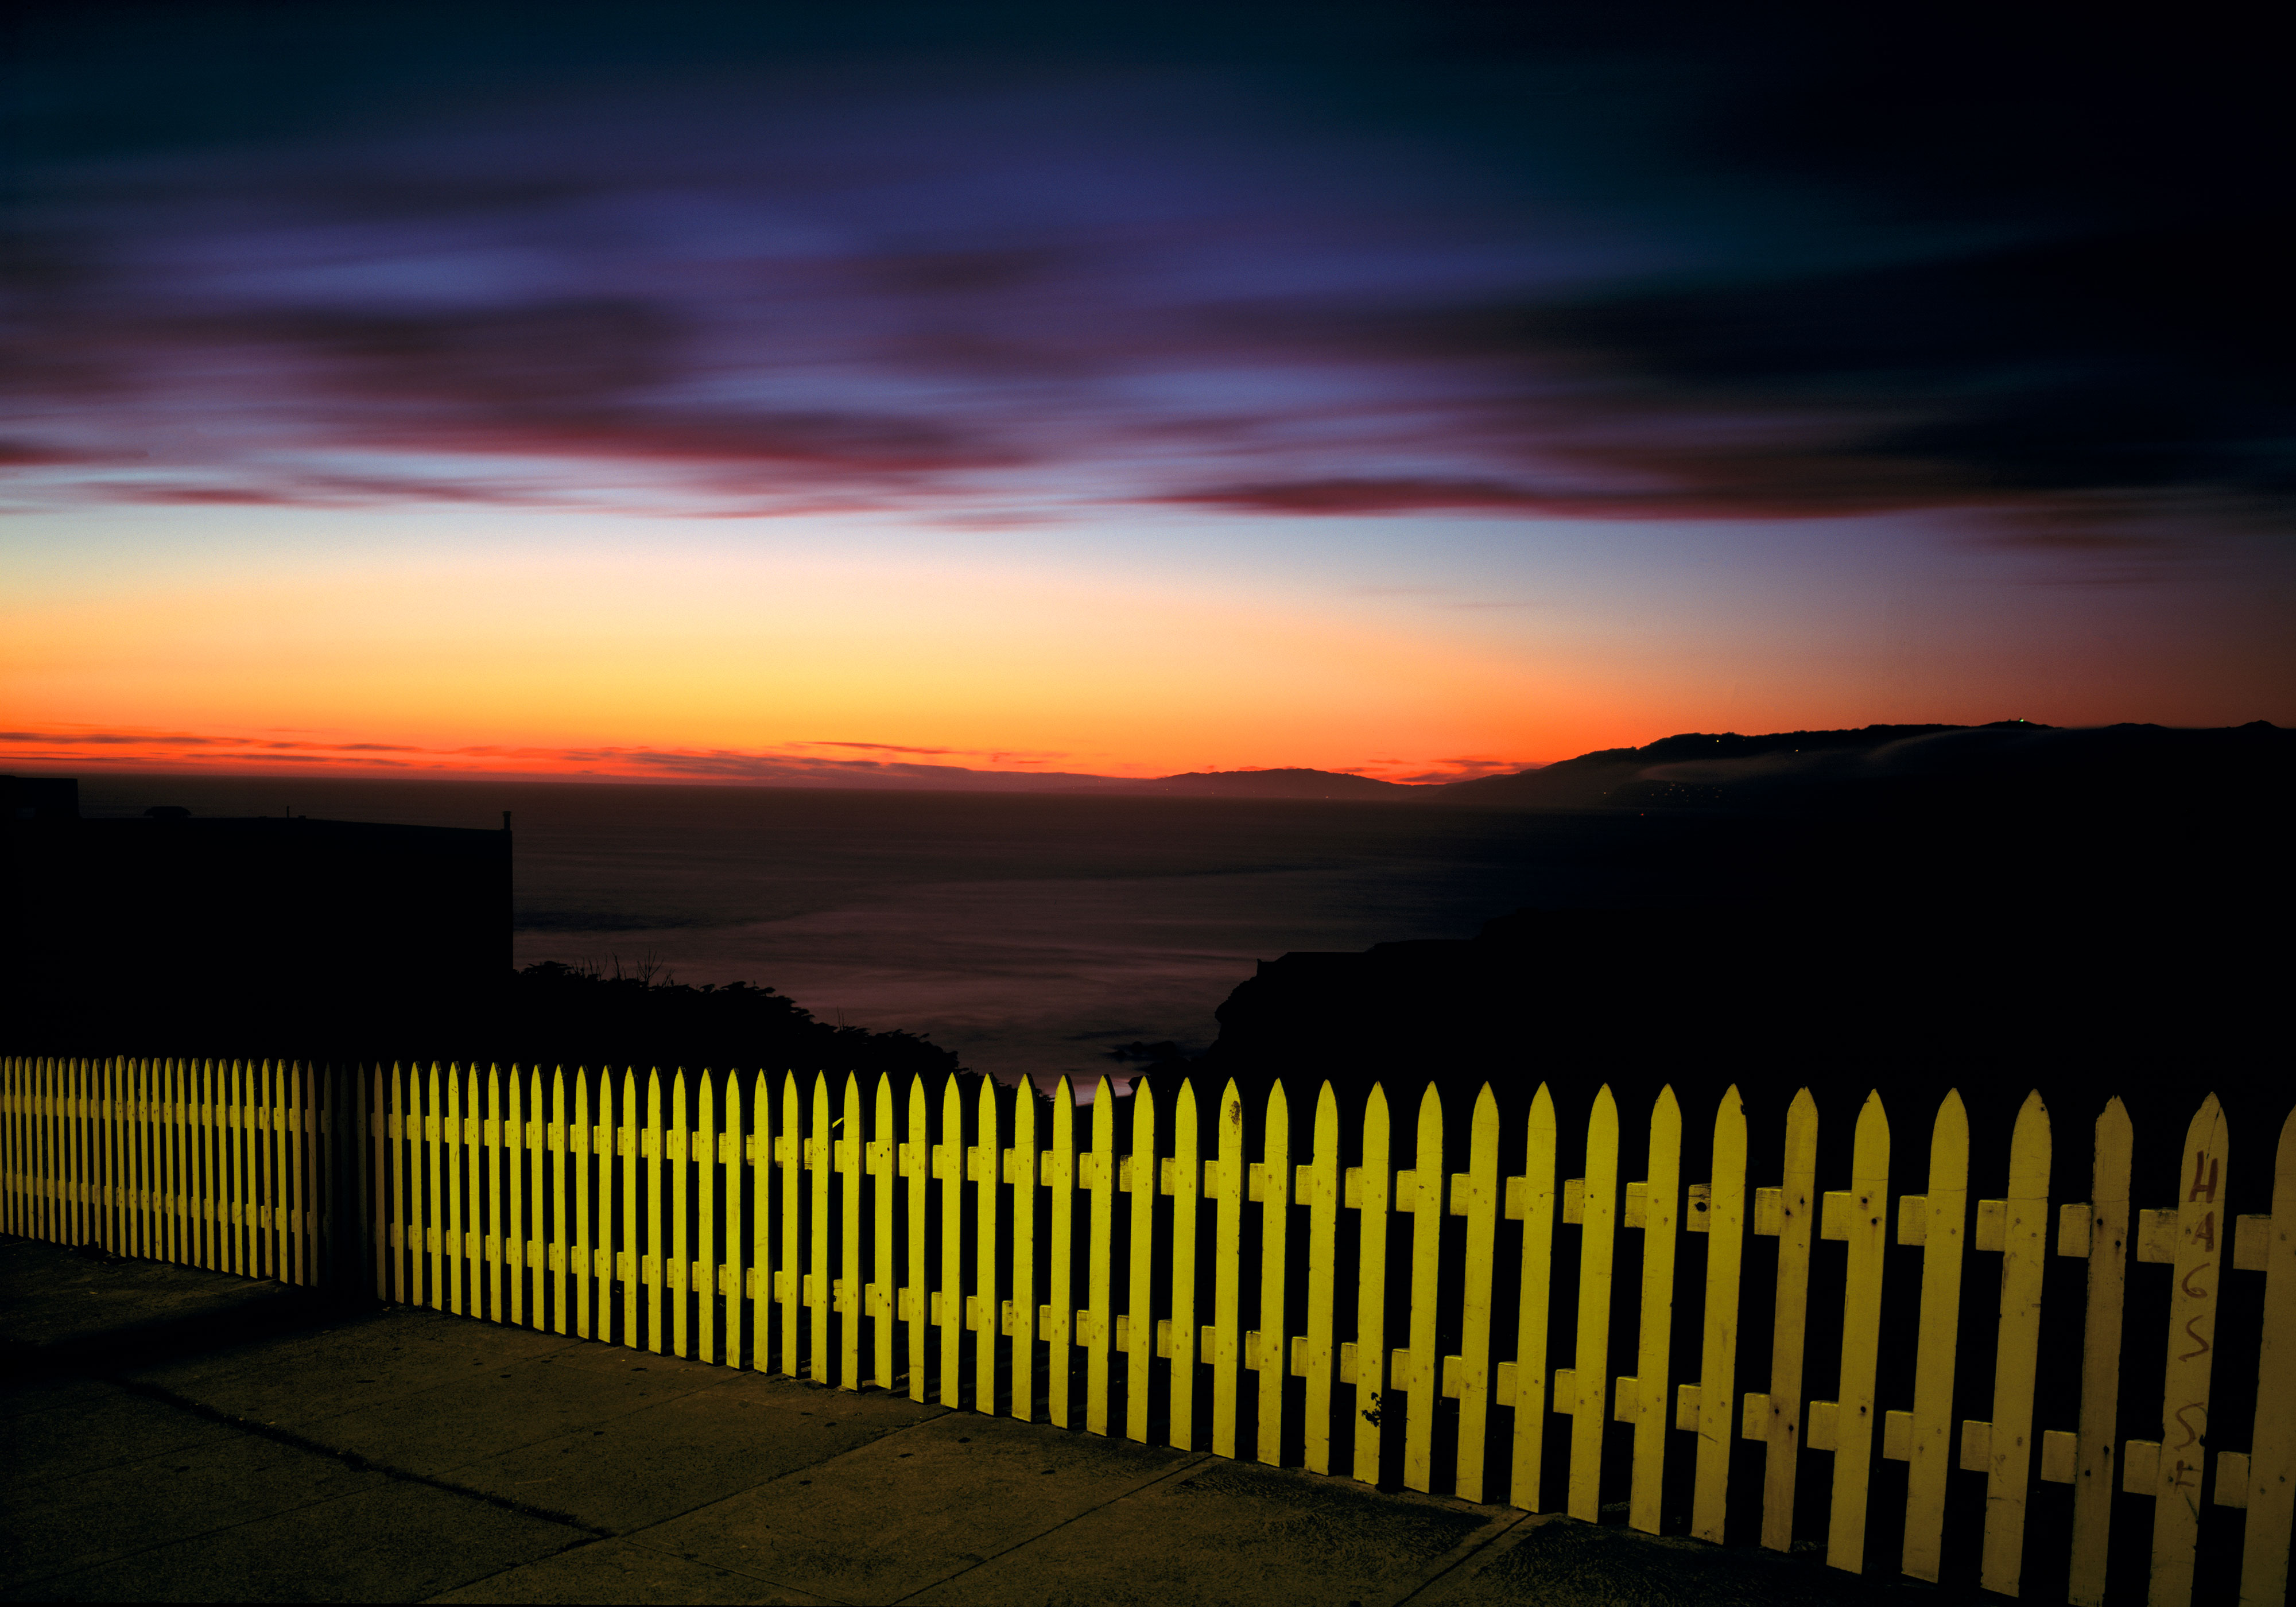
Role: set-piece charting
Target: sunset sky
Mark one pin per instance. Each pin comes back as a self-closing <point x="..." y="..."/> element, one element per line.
<point x="842" y="394"/>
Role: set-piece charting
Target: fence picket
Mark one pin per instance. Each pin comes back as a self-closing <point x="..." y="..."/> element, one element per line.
<point x="786" y="1286"/>
<point x="1059" y="1286"/>
<point x="247" y="1159"/>
<point x="1187" y="1173"/>
<point x="848" y="1155"/>
<point x="13" y="1172"/>
<point x="433" y="1190"/>
<point x="2096" y="1482"/>
<point x="674" y="1249"/>
<point x="104" y="1129"/>
<point x="67" y="1171"/>
<point x="708" y="1168"/>
<point x="1140" y="1300"/>
<point x="1421" y="1377"/>
<point x="621" y="1244"/>
<point x="949" y="1164"/>
<point x="1782" y="1430"/>
<point x="1590" y="1356"/>
<point x="1485" y="1203"/>
<point x="14" y="1216"/>
<point x="104" y="1113"/>
<point x="1718" y="1354"/>
<point x="183" y="1194"/>
<point x="885" y="1153"/>
<point x="461" y="1189"/>
<point x="1100" y="1272"/>
<point x="203" y="1164"/>
<point x="1225" y="1189"/>
<point x="2017" y="1352"/>
<point x="817" y="1287"/>
<point x="2192" y="1346"/>
<point x="986" y="1162"/>
<point x="1661" y="1202"/>
<point x="233" y="1128"/>
<point x="2272" y="1455"/>
<point x="54" y="1216"/>
<point x="1027" y="1164"/>
<point x="1861" y="1336"/>
<point x="1272" y="1359"/>
<point x="1943" y="1214"/>
<point x="75" y="1158"/>
<point x="499" y="1245"/>
<point x="917" y="1169"/>
<point x="525" y="1196"/>
<point x="1323" y="1254"/>
<point x="571" y="1134"/>
<point x="1533" y="1306"/>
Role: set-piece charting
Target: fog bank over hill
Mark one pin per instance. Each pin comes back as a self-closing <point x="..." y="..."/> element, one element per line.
<point x="1826" y="769"/>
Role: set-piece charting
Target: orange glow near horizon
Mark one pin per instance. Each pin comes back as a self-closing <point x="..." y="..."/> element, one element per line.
<point x="833" y="654"/>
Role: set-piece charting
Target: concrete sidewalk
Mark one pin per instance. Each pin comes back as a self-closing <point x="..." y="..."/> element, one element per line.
<point x="174" y="1435"/>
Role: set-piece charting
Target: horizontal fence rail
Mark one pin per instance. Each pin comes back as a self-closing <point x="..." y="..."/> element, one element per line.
<point x="1319" y="1286"/>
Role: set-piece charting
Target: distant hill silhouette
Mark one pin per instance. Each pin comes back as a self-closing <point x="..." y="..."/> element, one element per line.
<point x="1822" y="769"/>
<point x="1279" y="783"/>
<point x="1990" y="908"/>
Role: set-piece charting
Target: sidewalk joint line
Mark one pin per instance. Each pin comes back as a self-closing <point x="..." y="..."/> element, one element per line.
<point x="353" y="1459"/>
<point x="1466" y="1551"/>
<point x="1196" y="1459"/>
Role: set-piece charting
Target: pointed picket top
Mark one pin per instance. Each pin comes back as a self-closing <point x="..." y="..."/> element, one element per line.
<point x="1951" y="1110"/>
<point x="2029" y="1149"/>
<point x="1873" y="1121"/>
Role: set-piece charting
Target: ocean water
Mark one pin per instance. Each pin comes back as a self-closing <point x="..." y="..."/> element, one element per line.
<point x="1029" y="933"/>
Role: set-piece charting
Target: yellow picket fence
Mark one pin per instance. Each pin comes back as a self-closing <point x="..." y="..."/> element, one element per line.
<point x="1323" y="1300"/>
<point x="207" y="1163"/>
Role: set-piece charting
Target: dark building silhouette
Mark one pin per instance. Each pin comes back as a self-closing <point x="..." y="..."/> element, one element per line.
<point x="172" y="934"/>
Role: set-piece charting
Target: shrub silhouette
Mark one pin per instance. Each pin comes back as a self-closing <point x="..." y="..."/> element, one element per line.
<point x="580" y="1014"/>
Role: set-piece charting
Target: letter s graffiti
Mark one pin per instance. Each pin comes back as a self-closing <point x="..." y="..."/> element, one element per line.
<point x="2191" y="1434"/>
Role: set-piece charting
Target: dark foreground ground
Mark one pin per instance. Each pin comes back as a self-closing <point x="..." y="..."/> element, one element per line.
<point x="175" y="1434"/>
